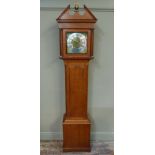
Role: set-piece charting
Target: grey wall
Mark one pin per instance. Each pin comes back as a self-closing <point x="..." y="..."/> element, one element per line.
<point x="101" y="73"/>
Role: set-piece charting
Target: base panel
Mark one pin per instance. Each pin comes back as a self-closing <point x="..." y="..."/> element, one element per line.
<point x="76" y="135"/>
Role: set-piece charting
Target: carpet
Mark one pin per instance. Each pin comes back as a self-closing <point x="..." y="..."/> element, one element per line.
<point x="55" y="148"/>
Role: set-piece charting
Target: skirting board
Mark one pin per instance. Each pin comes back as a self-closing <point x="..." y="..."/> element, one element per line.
<point x="105" y="136"/>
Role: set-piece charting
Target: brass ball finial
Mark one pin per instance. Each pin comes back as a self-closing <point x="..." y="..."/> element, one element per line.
<point x="76" y="6"/>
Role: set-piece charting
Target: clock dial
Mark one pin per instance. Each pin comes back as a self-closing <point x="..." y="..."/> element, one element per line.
<point x="76" y="42"/>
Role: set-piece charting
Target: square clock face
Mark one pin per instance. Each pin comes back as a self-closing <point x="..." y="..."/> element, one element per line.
<point x="77" y="42"/>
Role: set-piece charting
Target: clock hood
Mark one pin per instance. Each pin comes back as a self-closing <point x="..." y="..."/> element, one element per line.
<point x="66" y="17"/>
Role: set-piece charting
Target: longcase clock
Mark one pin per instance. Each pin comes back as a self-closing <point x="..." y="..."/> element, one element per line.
<point x="76" y="49"/>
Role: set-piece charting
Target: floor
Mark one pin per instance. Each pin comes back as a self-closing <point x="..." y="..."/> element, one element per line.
<point x="97" y="148"/>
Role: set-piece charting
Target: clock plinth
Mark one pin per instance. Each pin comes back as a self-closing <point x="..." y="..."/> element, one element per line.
<point x="76" y="49"/>
<point x="76" y="135"/>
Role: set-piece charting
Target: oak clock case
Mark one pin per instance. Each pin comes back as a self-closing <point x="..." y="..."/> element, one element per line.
<point x="76" y="49"/>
